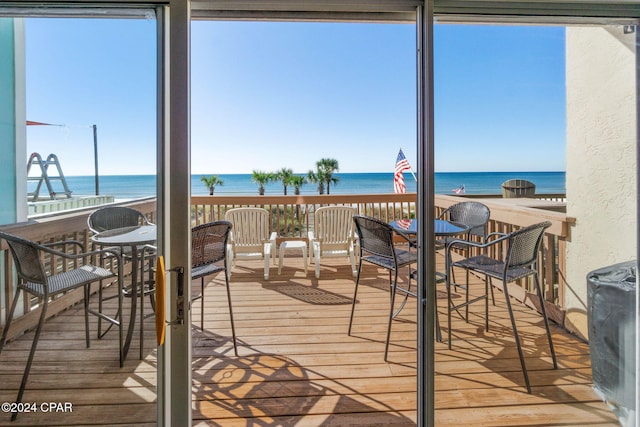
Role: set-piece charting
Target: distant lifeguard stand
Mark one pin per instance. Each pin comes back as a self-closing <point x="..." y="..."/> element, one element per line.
<point x="46" y="178"/>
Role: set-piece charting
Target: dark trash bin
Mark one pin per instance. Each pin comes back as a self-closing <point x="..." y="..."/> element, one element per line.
<point x="611" y="296"/>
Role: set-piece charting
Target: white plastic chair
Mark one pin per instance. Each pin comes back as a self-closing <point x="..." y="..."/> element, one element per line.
<point x="250" y="237"/>
<point x="333" y="235"/>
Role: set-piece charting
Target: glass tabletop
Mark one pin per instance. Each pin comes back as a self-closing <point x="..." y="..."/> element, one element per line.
<point x="441" y="227"/>
<point x="138" y="235"/>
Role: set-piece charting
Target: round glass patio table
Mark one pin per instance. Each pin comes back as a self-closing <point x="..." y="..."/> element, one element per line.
<point x="134" y="238"/>
<point x="441" y="228"/>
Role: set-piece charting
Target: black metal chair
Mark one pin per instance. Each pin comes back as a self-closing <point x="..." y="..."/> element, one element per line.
<point x="34" y="279"/>
<point x="519" y="261"/>
<point x="208" y="249"/>
<point x="376" y="247"/>
<point x="474" y="215"/>
<point x="113" y="217"/>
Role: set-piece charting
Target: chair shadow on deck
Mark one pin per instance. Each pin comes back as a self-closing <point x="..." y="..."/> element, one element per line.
<point x="268" y="389"/>
<point x="301" y="288"/>
<point x="546" y="381"/>
<point x="305" y="293"/>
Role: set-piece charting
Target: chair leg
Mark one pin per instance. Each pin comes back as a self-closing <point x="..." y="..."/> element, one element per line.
<point x="87" y="289"/>
<point x="352" y="258"/>
<point x="202" y="303"/>
<point x="546" y="323"/>
<point x="393" y="300"/>
<point x="355" y="294"/>
<point x="100" y="335"/>
<point x="100" y="307"/>
<point x="466" y="292"/>
<point x="9" y="319"/>
<point x="32" y="353"/>
<point x="407" y="291"/>
<point x="315" y="256"/>
<point x="486" y="302"/>
<point x="121" y="319"/>
<point x="516" y="336"/>
<point x="233" y="328"/>
<point x="317" y="259"/>
<point x="493" y="297"/>
<point x="267" y="259"/>
<point x="152" y="286"/>
<point x="437" y="320"/>
<point x="230" y="260"/>
<point x="438" y="330"/>
<point x="449" y="308"/>
<point x="141" y="308"/>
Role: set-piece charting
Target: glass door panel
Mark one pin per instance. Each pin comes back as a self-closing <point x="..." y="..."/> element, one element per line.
<point x="79" y="121"/>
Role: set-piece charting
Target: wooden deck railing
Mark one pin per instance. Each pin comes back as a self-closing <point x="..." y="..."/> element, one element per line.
<point x="292" y="218"/>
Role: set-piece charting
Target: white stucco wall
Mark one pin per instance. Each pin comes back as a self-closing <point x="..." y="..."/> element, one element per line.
<point x="601" y="157"/>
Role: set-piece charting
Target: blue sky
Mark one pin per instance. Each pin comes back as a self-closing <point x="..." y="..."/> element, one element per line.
<point x="273" y="95"/>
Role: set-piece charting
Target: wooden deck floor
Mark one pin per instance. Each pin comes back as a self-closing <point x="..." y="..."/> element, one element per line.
<point x="298" y="367"/>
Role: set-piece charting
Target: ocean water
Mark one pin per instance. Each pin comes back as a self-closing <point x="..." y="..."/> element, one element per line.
<point x="132" y="186"/>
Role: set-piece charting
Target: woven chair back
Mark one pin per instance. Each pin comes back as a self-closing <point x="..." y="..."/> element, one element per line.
<point x="111" y="217"/>
<point x="26" y="256"/>
<point x="376" y="237"/>
<point x="524" y="245"/>
<point x="475" y="215"/>
<point x="209" y="242"/>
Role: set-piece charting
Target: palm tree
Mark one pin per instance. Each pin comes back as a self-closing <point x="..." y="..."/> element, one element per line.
<point x="285" y="176"/>
<point x="317" y="177"/>
<point x="297" y="181"/>
<point x="328" y="168"/>
<point x="261" y="178"/>
<point x="211" y="182"/>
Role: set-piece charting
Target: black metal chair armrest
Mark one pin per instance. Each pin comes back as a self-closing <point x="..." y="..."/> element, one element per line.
<point x="64" y="243"/>
<point x="494" y="234"/>
<point x="149" y="249"/>
<point x="462" y="243"/>
<point x="107" y="251"/>
<point x="113" y="253"/>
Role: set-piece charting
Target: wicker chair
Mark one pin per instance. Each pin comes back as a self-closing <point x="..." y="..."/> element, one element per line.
<point x="474" y="215"/>
<point x="250" y="238"/>
<point x="515" y="188"/>
<point x="208" y="249"/>
<point x="112" y="217"/>
<point x="518" y="262"/>
<point x="376" y="247"/>
<point x="35" y="280"/>
<point x="333" y="235"/>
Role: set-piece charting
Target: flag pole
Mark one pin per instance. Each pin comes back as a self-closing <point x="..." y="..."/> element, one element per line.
<point x="411" y="169"/>
<point x="95" y="158"/>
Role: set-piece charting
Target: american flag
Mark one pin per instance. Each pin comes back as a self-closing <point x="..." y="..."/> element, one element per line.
<point x="402" y="164"/>
<point x="404" y="223"/>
